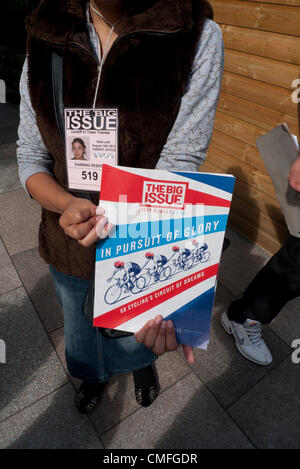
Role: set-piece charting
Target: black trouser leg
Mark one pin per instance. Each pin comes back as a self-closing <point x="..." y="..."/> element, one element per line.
<point x="274" y="285"/>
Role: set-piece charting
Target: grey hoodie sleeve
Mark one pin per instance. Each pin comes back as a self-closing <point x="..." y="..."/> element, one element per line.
<point x="32" y="155"/>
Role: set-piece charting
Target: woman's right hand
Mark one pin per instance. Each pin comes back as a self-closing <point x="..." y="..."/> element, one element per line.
<point x="84" y="221"/>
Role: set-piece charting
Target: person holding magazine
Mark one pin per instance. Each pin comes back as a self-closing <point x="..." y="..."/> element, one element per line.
<point x="160" y="63"/>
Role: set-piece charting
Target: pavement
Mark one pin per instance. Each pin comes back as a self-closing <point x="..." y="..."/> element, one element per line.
<point x="222" y="401"/>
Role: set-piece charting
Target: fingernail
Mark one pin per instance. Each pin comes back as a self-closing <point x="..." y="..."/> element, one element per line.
<point x="150" y="323"/>
<point x="106" y="231"/>
<point x="109" y="227"/>
<point x="100" y="226"/>
<point x="98" y="217"/>
<point x="163" y="325"/>
<point x="158" y="320"/>
<point x="103" y="221"/>
<point x="100" y="211"/>
<point x="170" y="324"/>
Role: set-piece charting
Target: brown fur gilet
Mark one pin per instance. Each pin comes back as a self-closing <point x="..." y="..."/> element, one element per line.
<point x="144" y="75"/>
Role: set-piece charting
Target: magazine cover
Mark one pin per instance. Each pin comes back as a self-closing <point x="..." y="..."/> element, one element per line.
<point x="164" y="253"/>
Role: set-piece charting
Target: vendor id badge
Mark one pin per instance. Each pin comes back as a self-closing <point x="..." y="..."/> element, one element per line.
<point x="91" y="140"/>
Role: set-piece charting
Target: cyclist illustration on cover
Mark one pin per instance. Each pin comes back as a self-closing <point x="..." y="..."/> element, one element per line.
<point x="200" y="254"/>
<point x="130" y="278"/>
<point x="126" y="281"/>
<point x="153" y="267"/>
<point x="183" y="258"/>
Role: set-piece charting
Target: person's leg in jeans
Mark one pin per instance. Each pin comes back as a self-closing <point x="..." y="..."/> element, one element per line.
<point x="81" y="341"/>
<point x="274" y="285"/>
<point x="94" y="358"/>
<point x="81" y="347"/>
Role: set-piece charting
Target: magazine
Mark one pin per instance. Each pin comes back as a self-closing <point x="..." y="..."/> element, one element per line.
<point x="164" y="253"/>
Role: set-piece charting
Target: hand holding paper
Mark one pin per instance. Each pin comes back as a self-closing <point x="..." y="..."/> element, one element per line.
<point x="83" y="221"/>
<point x="103" y="227"/>
<point x="159" y="336"/>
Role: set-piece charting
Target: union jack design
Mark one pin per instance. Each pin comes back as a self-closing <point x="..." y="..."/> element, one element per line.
<point x="164" y="254"/>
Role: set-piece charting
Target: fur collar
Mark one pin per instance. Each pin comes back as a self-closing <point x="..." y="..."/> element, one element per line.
<point x="60" y="22"/>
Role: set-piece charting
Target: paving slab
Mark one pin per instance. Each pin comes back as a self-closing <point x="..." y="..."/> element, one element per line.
<point x="270" y="412"/>
<point x="240" y="263"/>
<point x="287" y="324"/>
<point x="9" y="180"/>
<point x="4" y="257"/>
<point x="19" y="221"/>
<point x="9" y="279"/>
<point x="32" y="369"/>
<point x="37" y="280"/>
<point x="51" y="423"/>
<point x="184" y="416"/>
<point x="222" y="368"/>
<point x="58" y="341"/>
<point x="118" y="399"/>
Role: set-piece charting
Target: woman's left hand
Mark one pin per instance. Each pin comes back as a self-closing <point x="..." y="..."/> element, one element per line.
<point x="159" y="336"/>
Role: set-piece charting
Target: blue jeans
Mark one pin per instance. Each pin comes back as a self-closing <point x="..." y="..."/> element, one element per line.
<point x="90" y="356"/>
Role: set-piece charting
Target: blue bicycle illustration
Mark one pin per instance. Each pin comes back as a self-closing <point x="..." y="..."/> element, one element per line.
<point x="154" y="270"/>
<point x="182" y="260"/>
<point x="126" y="283"/>
<point x="200" y="253"/>
<point x="130" y="278"/>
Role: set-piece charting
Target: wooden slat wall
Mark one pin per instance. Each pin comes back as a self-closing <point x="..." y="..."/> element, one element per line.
<point x="262" y="59"/>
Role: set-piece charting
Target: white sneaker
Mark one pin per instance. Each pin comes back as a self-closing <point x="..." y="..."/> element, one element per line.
<point x="248" y="339"/>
